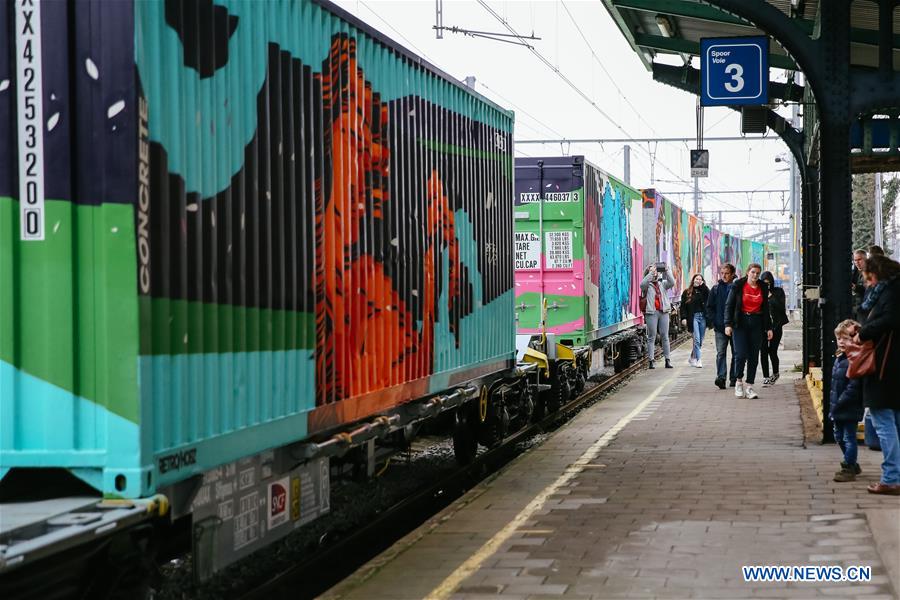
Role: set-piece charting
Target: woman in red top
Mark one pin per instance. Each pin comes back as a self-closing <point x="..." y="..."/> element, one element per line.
<point x="747" y="319"/>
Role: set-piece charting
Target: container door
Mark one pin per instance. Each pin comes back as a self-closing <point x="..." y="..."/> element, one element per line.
<point x="549" y="247"/>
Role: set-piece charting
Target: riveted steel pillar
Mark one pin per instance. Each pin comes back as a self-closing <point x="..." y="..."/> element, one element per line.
<point x="810" y="230"/>
<point x="834" y="184"/>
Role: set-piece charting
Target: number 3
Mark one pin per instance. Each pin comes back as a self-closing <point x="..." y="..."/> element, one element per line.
<point x="736" y="71"/>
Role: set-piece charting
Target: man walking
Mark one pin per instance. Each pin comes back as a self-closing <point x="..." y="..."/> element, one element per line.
<point x="715" y="314"/>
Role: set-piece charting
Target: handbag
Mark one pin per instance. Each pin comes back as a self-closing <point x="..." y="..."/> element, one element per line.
<point x="862" y="357"/>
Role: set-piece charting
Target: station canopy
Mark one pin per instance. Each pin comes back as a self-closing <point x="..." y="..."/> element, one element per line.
<point x="675" y="27"/>
<point x="656" y="28"/>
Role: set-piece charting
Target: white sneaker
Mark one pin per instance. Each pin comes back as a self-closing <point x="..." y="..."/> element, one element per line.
<point x="738" y="390"/>
<point x="751" y="393"/>
<point x="692" y="362"/>
<point x="698" y="364"/>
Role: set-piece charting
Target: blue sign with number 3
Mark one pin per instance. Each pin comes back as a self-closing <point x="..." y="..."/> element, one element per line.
<point x="734" y="71"/>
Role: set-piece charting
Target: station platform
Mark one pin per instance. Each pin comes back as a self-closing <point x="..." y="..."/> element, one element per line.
<point x="664" y="489"/>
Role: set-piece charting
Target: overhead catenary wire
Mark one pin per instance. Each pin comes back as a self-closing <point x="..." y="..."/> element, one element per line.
<point x="572" y="85"/>
<point x="478" y="82"/>
<point x="603" y="68"/>
<point x="559" y="74"/>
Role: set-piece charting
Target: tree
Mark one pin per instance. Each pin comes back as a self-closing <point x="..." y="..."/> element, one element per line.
<point x="890" y="191"/>
<point x="863" y="209"/>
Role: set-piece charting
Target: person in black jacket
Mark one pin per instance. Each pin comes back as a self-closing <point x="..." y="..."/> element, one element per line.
<point x="881" y="389"/>
<point x="846" y="408"/>
<point x="778" y="312"/>
<point x="748" y="320"/>
<point x="715" y="314"/>
<point x="693" y="315"/>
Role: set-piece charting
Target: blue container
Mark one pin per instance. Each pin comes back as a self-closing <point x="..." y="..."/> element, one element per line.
<point x="253" y="222"/>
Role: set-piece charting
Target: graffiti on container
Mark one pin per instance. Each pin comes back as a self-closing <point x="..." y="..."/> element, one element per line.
<point x="615" y="255"/>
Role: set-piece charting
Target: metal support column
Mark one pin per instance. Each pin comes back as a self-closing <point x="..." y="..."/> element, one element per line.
<point x="812" y="327"/>
<point x="796" y="278"/>
<point x="626" y="153"/>
<point x="696" y="196"/>
<point x="834" y="185"/>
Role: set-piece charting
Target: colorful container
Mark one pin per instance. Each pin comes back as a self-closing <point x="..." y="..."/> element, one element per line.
<point x="577" y="249"/>
<point x="583" y="240"/>
<point x="693" y="247"/>
<point x="244" y="223"/>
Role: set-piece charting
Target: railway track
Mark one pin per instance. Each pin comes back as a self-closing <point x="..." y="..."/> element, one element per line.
<point x="334" y="562"/>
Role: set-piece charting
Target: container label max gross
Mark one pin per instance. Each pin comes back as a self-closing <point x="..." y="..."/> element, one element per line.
<point x="527" y="250"/>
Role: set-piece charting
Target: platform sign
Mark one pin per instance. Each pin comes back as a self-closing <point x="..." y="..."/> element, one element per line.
<point x="699" y="163"/>
<point x="734" y="71"/>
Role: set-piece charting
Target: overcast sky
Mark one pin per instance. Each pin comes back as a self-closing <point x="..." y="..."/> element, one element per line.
<point x="628" y="102"/>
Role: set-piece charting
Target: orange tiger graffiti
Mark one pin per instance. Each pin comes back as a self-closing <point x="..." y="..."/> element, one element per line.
<point x="366" y="336"/>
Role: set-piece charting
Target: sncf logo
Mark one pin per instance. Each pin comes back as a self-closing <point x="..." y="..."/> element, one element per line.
<point x="278" y="502"/>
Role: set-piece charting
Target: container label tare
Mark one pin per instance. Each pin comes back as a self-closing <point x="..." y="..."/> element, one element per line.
<point x="528" y="250"/>
<point x="30" y="115"/>
<point x="559" y="249"/>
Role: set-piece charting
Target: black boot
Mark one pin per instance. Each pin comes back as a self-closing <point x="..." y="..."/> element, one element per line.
<point x="668" y="364"/>
<point x="651" y="365"/>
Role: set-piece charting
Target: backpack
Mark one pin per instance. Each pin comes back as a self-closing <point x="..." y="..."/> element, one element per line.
<point x="642" y="299"/>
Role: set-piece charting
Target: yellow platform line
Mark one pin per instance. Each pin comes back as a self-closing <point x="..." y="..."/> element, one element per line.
<point x="474" y="562"/>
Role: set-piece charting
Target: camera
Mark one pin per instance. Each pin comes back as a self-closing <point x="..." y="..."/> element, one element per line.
<point x="661" y="267"/>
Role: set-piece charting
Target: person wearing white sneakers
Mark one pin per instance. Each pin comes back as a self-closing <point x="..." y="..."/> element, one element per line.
<point x="693" y="315"/>
<point x="778" y="312"/>
<point x="747" y="320"/>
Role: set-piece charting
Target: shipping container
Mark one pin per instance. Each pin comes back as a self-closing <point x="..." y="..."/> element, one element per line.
<point x="692" y="247"/>
<point x="577" y="250"/>
<point x="582" y="242"/>
<point x="229" y="226"/>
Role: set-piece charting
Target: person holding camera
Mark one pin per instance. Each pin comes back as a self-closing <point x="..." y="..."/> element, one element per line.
<point x="657" y="281"/>
<point x="749" y="322"/>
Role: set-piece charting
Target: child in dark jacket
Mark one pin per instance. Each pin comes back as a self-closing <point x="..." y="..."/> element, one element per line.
<point x="846" y="403"/>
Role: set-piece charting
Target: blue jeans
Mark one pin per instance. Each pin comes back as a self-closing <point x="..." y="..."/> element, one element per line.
<point x="887" y="426"/>
<point x="845" y="436"/>
<point x="723" y="342"/>
<point x="699" y="327"/>
<point x="747" y="342"/>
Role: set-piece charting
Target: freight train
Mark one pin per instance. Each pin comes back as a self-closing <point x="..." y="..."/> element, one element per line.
<point x="582" y="240"/>
<point x="241" y="238"/>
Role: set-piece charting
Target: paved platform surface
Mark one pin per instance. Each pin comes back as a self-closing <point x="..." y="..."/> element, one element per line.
<point x="663" y="490"/>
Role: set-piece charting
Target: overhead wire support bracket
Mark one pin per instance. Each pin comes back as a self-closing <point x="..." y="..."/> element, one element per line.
<point x="490" y="35"/>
